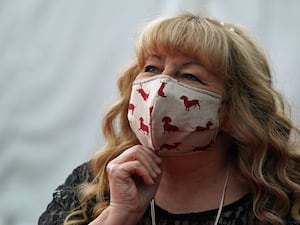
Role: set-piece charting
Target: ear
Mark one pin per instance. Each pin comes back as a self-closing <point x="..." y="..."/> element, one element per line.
<point x="225" y="123"/>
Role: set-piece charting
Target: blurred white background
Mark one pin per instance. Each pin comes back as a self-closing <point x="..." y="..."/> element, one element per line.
<point x="59" y="61"/>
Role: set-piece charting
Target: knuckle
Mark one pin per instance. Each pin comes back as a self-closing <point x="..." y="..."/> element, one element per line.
<point x="133" y="149"/>
<point x="133" y="152"/>
<point x="136" y="164"/>
<point x="111" y="168"/>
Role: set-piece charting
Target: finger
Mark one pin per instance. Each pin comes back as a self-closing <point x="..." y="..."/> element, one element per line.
<point x="142" y="154"/>
<point x="152" y="153"/>
<point x="136" y="150"/>
<point x="148" y="158"/>
<point x="126" y="170"/>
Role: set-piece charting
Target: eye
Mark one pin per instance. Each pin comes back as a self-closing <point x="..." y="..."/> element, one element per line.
<point x="151" y="69"/>
<point x="191" y="77"/>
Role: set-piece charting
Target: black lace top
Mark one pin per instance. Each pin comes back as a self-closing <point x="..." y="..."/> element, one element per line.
<point x="237" y="213"/>
<point x="65" y="200"/>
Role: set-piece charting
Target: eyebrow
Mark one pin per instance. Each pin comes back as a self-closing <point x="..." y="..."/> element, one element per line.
<point x="192" y="63"/>
<point x="159" y="57"/>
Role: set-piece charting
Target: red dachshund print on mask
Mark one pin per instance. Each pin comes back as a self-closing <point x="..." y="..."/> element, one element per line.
<point x="143" y="93"/>
<point x="167" y="126"/>
<point x="189" y="103"/>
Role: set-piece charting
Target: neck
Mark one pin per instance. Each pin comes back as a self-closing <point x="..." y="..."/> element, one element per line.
<point x="192" y="174"/>
<point x="202" y="168"/>
<point x="192" y="183"/>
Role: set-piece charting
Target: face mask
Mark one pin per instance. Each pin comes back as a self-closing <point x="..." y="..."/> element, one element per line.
<point x="171" y="117"/>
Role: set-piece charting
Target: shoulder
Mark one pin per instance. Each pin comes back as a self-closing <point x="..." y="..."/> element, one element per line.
<point x="65" y="197"/>
<point x="80" y="174"/>
<point x="66" y="193"/>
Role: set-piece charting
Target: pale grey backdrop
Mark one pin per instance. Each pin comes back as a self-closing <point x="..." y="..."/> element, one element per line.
<point x="58" y="65"/>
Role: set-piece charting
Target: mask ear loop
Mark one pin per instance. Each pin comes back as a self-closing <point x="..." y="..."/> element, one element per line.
<point x="214" y="139"/>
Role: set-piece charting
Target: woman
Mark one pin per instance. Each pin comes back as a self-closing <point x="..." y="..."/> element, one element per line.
<point x="202" y="137"/>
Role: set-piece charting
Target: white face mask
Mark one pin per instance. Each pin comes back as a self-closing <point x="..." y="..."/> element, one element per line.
<point x="171" y="117"/>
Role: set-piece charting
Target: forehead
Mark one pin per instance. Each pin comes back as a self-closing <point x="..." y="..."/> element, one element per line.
<point x="195" y="37"/>
<point x="158" y="53"/>
<point x="206" y="54"/>
<point x="175" y="55"/>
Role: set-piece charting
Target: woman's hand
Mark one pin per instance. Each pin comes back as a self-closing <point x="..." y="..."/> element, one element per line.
<point x="133" y="179"/>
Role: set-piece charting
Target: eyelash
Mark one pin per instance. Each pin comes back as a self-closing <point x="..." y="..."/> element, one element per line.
<point x="189" y="76"/>
<point x="192" y="77"/>
<point x="148" y="68"/>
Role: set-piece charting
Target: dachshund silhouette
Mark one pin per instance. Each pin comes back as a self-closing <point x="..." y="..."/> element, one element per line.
<point x="167" y="126"/>
<point x="207" y="127"/>
<point x="143" y="93"/>
<point x="169" y="147"/>
<point x="160" y="91"/>
<point x="143" y="126"/>
<point x="131" y="107"/>
<point x="189" y="103"/>
<point x="202" y="148"/>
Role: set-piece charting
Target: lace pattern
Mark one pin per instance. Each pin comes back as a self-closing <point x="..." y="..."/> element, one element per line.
<point x="65" y="200"/>
<point x="237" y="213"/>
<point x="65" y="197"/>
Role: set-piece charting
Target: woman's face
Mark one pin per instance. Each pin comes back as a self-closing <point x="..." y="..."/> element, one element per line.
<point x="183" y="68"/>
<point x="189" y="71"/>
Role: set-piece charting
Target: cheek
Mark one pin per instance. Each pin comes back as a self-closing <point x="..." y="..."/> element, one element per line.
<point x="141" y="76"/>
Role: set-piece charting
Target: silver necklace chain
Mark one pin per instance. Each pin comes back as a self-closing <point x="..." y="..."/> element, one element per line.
<point x="152" y="203"/>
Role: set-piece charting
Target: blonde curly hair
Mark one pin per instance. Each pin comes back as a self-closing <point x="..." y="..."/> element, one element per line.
<point x="265" y="151"/>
